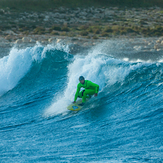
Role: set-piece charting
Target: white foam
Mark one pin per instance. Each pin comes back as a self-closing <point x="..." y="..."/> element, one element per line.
<point x="14" y="66"/>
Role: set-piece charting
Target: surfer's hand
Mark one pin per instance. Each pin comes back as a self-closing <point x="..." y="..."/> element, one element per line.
<point x="95" y="94"/>
<point x="74" y="102"/>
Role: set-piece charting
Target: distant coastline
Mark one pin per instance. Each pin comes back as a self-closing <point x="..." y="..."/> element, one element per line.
<point x="79" y="25"/>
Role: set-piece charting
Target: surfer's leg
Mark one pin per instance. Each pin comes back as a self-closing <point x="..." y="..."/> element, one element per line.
<point x="86" y="93"/>
<point x="80" y="94"/>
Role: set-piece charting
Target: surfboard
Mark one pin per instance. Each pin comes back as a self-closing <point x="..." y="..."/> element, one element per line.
<point x="76" y="106"/>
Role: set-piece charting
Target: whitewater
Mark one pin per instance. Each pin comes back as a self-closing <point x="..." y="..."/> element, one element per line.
<point x="124" y="123"/>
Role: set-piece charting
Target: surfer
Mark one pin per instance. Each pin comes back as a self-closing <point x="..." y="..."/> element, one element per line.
<point x="90" y="89"/>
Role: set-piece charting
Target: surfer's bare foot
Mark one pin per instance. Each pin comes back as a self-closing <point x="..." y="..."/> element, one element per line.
<point x="95" y="94"/>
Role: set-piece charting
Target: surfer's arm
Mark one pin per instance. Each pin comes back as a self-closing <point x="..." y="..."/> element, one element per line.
<point x="77" y="92"/>
<point x="96" y="86"/>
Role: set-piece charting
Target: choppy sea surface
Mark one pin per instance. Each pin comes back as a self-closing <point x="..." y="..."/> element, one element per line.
<point x="124" y="123"/>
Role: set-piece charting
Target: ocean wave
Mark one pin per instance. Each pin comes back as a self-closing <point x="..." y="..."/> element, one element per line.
<point x="19" y="61"/>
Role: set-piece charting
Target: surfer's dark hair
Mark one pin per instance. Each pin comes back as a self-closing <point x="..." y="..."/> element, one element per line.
<point x="81" y="78"/>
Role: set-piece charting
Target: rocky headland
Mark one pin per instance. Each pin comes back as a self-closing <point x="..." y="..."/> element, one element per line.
<point x="81" y="26"/>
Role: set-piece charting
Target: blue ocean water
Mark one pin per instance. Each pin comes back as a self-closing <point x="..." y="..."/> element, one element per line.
<point x="124" y="123"/>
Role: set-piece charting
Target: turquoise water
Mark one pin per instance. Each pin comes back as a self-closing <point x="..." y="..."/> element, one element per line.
<point x="123" y="124"/>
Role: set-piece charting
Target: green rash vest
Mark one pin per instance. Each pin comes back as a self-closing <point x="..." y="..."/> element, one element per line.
<point x="87" y="85"/>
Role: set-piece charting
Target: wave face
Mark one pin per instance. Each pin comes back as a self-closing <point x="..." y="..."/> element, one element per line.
<point x="123" y="124"/>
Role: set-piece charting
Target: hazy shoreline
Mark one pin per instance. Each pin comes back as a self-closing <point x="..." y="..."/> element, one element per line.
<point x="82" y="27"/>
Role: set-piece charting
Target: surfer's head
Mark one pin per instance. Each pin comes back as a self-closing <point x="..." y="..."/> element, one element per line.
<point x="81" y="79"/>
